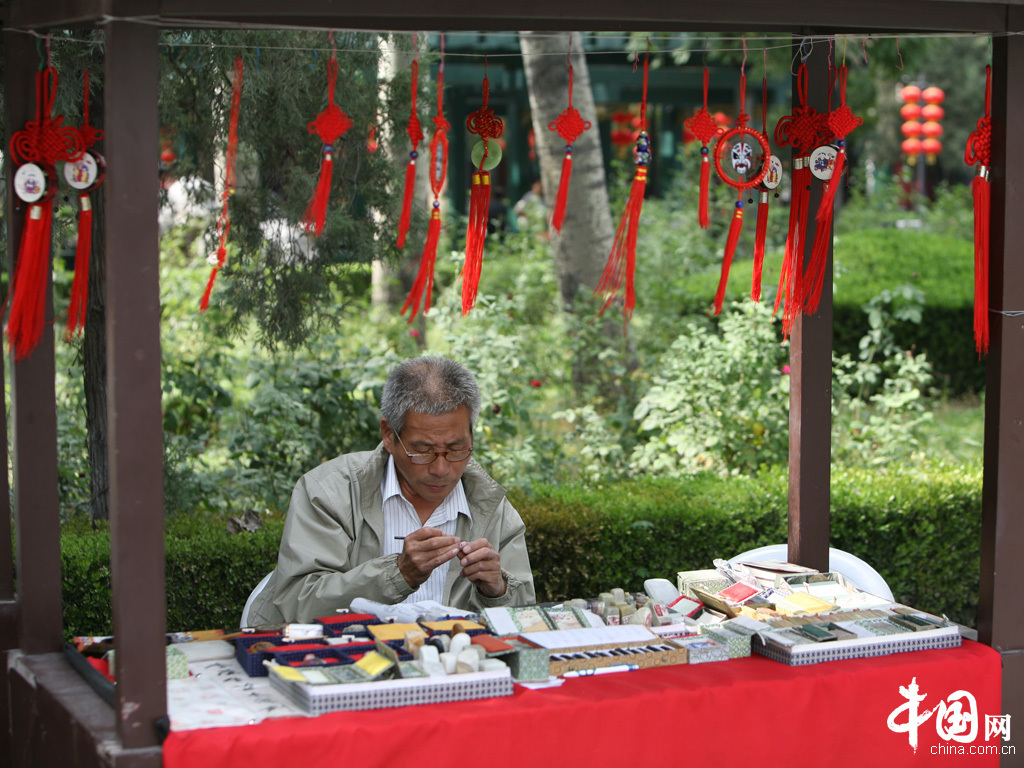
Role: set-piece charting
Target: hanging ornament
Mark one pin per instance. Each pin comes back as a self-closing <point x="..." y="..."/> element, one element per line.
<point x="330" y="125"/>
<point x="827" y="163"/>
<point x="423" y="286"/>
<point x="486" y="155"/>
<point x="704" y="128"/>
<point x="83" y="175"/>
<point x="738" y="145"/>
<point x="216" y="261"/>
<point x="36" y="149"/>
<point x="979" y="152"/>
<point x="570" y="125"/>
<point x="770" y="182"/>
<point x="799" y="130"/>
<point x="621" y="264"/>
<point x="415" y="137"/>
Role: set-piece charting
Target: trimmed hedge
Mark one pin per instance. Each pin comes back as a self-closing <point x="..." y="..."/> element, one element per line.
<point x="920" y="528"/>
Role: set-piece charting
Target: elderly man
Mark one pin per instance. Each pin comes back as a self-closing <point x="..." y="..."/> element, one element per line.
<point x="415" y="519"/>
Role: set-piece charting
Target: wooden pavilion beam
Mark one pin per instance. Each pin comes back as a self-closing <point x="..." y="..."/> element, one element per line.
<point x="840" y="16"/>
<point x="139" y="611"/>
<point x="1000" y="612"/>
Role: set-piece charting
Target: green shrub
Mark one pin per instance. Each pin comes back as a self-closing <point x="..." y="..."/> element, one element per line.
<point x="209" y="572"/>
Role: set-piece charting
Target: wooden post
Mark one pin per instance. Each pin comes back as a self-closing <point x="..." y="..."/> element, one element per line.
<point x="133" y="370"/>
<point x="810" y="394"/>
<point x="33" y="407"/>
<point x="1000" y="615"/>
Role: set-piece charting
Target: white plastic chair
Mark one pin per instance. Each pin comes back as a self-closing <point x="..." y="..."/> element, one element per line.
<point x="252" y="598"/>
<point x="856" y="571"/>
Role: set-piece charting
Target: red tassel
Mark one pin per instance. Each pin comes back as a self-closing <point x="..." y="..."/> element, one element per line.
<point x="791" y="274"/>
<point x="83" y="252"/>
<point x="415" y="137"/>
<point x="735" y="228"/>
<point x="423" y="287"/>
<point x="622" y="260"/>
<point x="562" y="198"/>
<point x="28" y="296"/>
<point x="982" y="206"/>
<point x="438" y="168"/>
<point x="410" y="189"/>
<point x="316" y="212"/>
<point x="759" y="240"/>
<point x="330" y="125"/>
<point x="479" y="209"/>
<point x="705" y="180"/>
<point x="814" y="277"/>
<point x="979" y="152"/>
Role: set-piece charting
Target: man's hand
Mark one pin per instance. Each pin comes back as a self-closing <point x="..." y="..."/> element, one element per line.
<point x="423" y="551"/>
<point x="482" y="566"/>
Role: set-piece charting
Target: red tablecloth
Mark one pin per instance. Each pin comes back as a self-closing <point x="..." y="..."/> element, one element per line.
<point x="753" y="709"/>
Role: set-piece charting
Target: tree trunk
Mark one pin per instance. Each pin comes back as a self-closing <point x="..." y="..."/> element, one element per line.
<point x="582" y="248"/>
<point x="94" y="365"/>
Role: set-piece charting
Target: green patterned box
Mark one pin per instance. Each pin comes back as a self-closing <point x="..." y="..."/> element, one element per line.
<point x="527" y="662"/>
<point x="737" y="643"/>
<point x="709" y="580"/>
<point x="702" y="648"/>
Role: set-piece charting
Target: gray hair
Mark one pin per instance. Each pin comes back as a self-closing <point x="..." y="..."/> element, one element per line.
<point x="428" y="385"/>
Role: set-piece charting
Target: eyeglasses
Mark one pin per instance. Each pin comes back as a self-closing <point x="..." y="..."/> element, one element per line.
<point x="430" y="458"/>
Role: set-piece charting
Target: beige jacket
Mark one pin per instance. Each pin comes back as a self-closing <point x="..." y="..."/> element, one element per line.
<point x="330" y="550"/>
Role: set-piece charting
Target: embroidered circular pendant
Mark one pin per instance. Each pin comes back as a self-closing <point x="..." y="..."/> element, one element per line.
<point x="30" y="182"/>
<point x="823" y="161"/>
<point x="773" y="177"/>
<point x="741" y="145"/>
<point x="493" y="154"/>
<point x="84" y="172"/>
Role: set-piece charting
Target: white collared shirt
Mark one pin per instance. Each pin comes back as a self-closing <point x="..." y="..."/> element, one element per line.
<point x="401" y="519"/>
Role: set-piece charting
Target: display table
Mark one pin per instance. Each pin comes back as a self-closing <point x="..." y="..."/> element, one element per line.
<point x="754" y="710"/>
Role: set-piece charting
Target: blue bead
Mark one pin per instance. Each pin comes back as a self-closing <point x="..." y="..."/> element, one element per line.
<point x="568" y="149"/>
<point x="414" y="154"/>
<point x="705" y="151"/>
<point x="328" y="149"/>
<point x="739" y="204"/>
<point x="437" y="203"/>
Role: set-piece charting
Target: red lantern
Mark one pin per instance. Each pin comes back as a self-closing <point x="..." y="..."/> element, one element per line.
<point x="933" y="95"/>
<point x="911" y="148"/>
<point x="910" y="93"/>
<point x="931" y="129"/>
<point x="932" y="112"/>
<point x="931" y="148"/>
<point x="911" y="129"/>
<point x="910" y="111"/>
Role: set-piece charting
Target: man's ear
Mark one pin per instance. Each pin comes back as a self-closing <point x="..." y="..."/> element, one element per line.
<point x="387" y="435"/>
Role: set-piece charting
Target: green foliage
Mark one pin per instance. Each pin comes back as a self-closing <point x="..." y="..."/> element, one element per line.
<point x="718" y="400"/>
<point x="879" y="400"/>
<point x="290" y="283"/>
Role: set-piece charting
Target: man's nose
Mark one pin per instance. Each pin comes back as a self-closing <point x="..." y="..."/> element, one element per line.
<point x="440" y="466"/>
